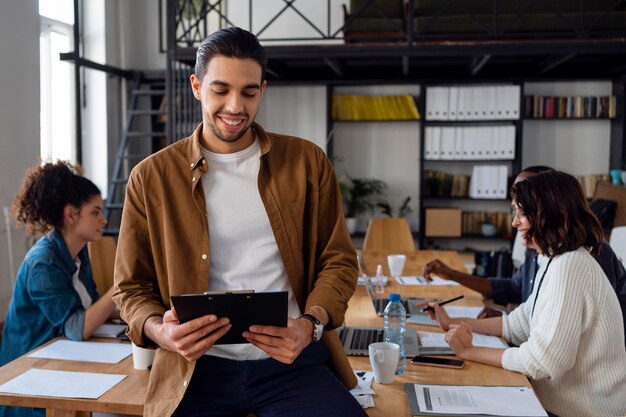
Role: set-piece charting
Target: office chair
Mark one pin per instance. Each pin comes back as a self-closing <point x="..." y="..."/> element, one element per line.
<point x="102" y="257"/>
<point x="617" y="241"/>
<point x="389" y="234"/>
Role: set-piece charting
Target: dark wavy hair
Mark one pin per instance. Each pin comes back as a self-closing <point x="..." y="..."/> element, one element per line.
<point x="231" y="42"/>
<point x="559" y="216"/>
<point x="46" y="190"/>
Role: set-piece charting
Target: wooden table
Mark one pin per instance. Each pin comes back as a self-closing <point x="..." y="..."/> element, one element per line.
<point x="390" y="399"/>
<point x="127" y="397"/>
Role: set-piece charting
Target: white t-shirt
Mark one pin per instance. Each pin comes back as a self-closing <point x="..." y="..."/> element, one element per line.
<point x="85" y="298"/>
<point x="244" y="253"/>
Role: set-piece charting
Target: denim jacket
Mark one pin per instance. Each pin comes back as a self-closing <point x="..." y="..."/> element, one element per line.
<point x="45" y="304"/>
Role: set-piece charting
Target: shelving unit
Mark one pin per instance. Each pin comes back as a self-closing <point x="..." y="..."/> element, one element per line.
<point x="461" y="139"/>
<point x="365" y="147"/>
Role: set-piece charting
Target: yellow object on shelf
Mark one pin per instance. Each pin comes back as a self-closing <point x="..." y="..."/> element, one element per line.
<point x="349" y="107"/>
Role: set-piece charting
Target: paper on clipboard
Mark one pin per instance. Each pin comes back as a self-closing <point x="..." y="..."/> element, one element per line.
<point x="242" y="308"/>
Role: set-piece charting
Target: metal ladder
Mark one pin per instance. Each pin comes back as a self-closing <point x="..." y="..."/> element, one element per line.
<point x="143" y="134"/>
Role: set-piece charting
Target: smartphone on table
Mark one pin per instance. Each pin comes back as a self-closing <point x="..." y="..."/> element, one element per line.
<point x="442" y="362"/>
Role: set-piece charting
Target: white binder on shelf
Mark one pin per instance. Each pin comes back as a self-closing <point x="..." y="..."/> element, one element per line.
<point x="481" y="111"/>
<point x="437" y="103"/>
<point x="503" y="181"/>
<point x="436" y="142"/>
<point x="447" y="143"/>
<point x="509" y="139"/>
<point x="453" y="103"/>
<point x="428" y="143"/>
<point x="458" y="143"/>
<point x="501" y="102"/>
<point x="468" y="103"/>
<point x="497" y="151"/>
<point x="512" y="102"/>
<point x="461" y="113"/>
<point x="491" y="102"/>
<point x="476" y="183"/>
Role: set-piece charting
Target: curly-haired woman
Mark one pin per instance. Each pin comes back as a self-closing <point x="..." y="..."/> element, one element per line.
<point x="55" y="294"/>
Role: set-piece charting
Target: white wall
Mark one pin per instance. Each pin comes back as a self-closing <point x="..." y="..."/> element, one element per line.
<point x="297" y="111"/>
<point x="19" y="117"/>
<point x="139" y="34"/>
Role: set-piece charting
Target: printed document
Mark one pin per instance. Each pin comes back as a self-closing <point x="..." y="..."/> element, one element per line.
<point x="469" y="400"/>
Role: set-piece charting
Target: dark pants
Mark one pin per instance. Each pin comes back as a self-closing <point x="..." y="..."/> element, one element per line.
<point x="268" y="388"/>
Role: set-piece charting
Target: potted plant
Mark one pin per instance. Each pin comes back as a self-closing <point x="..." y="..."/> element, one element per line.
<point x="359" y="197"/>
<point x="402" y="211"/>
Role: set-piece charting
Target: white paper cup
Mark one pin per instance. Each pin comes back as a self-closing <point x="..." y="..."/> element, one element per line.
<point x="396" y="264"/>
<point x="384" y="359"/>
<point x="142" y="358"/>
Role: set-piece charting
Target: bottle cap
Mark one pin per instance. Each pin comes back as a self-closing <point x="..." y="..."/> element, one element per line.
<point x="394" y="297"/>
<point x="379" y="269"/>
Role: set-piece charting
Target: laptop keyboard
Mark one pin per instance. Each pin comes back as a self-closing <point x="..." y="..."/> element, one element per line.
<point x="362" y="338"/>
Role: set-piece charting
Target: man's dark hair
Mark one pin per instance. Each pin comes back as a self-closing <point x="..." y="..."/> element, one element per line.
<point x="231" y="42"/>
<point x="559" y="216"/>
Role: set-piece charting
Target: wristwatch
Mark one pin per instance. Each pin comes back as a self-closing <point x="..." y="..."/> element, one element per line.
<point x="318" y="327"/>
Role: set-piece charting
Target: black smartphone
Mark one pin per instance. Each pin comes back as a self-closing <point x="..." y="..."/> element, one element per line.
<point x="432" y="361"/>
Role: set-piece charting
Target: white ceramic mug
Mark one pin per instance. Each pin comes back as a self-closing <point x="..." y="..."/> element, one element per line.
<point x="396" y="264"/>
<point x="142" y="357"/>
<point x="384" y="359"/>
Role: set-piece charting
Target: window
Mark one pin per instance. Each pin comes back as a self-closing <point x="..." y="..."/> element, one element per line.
<point x="58" y="139"/>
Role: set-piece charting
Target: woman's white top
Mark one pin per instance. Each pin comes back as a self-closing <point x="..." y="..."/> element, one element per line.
<point x="572" y="346"/>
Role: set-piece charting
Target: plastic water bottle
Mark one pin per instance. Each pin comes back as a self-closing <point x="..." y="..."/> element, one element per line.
<point x="395" y="328"/>
<point x="380" y="279"/>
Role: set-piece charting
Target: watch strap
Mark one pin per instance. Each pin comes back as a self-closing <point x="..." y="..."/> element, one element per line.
<point x="317" y="325"/>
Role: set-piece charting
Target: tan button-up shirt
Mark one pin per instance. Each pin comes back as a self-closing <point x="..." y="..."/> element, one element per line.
<point x="163" y="246"/>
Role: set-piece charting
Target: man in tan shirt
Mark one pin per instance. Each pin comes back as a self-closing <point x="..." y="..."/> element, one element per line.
<point x="235" y="207"/>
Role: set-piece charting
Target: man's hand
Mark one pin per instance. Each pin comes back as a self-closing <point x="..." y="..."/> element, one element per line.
<point x="459" y="337"/>
<point x="192" y="339"/>
<point x="438" y="268"/>
<point x="282" y="343"/>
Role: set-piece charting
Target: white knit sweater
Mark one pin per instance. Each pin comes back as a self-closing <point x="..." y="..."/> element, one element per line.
<point x="572" y="347"/>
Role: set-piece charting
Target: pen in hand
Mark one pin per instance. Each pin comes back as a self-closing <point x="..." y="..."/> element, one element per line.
<point x="429" y="308"/>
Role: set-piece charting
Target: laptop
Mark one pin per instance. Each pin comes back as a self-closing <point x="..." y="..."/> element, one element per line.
<point x="409" y="303"/>
<point x="356" y="341"/>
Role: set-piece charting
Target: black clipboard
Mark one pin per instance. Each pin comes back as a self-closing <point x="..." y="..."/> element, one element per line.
<point x="242" y="308"/>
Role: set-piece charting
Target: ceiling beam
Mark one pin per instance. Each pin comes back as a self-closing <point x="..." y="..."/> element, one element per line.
<point x="552" y="62"/>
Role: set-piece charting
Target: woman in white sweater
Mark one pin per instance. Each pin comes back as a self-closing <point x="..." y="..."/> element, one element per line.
<point x="569" y="332"/>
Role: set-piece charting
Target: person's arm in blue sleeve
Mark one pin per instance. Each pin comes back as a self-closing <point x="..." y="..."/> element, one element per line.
<point x="510" y="290"/>
<point x="51" y="289"/>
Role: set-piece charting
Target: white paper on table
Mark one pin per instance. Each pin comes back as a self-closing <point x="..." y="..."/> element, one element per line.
<point x="462" y="311"/>
<point x="84" y="351"/>
<point x="413" y="280"/>
<point x="363" y="391"/>
<point x="364" y="386"/>
<point x="460" y="399"/>
<point x="434" y="339"/>
<point x="65" y="384"/>
<point x="109" y="330"/>
<point x="366" y="401"/>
